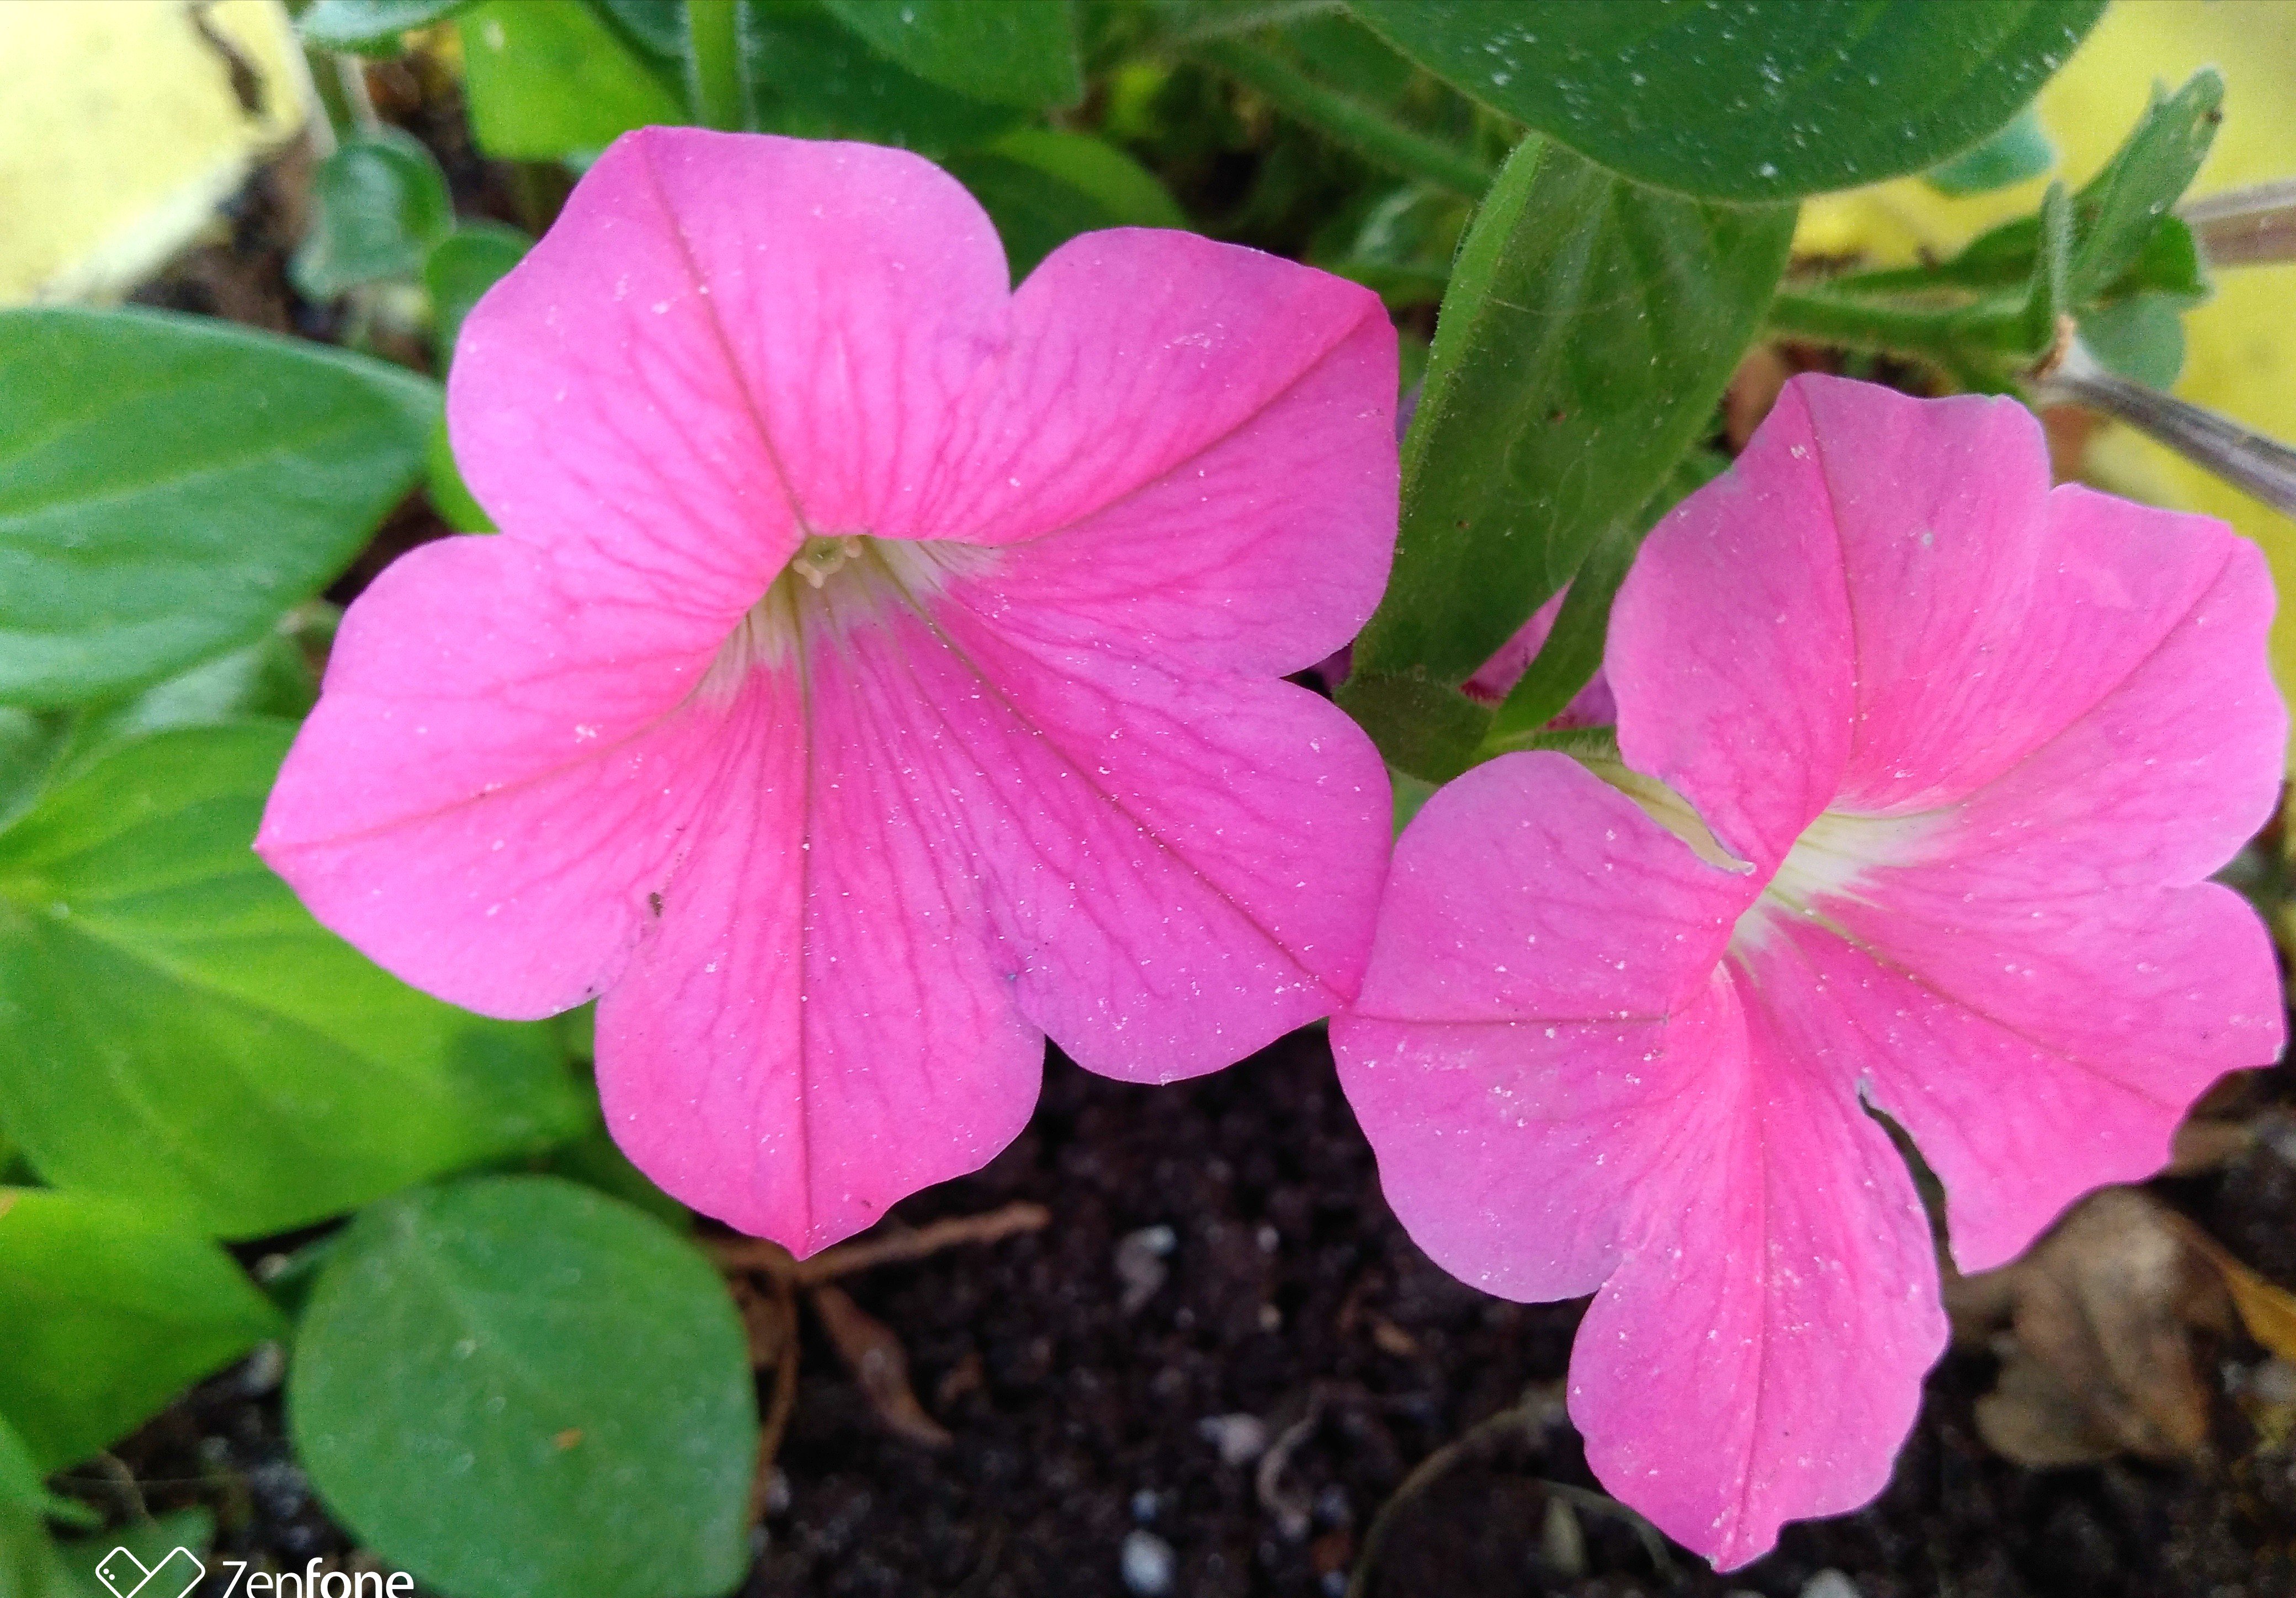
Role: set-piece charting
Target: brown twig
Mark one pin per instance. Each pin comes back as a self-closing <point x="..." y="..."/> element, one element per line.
<point x="780" y="1406"/>
<point x="764" y="1255"/>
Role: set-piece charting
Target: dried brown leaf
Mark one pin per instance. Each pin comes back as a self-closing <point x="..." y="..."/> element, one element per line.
<point x="2098" y="1355"/>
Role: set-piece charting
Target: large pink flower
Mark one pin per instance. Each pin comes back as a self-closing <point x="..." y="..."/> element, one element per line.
<point x="876" y="671"/>
<point x="1924" y="765"/>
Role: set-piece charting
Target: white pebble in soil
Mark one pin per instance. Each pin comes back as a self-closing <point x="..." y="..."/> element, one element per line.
<point x="1140" y="1266"/>
<point x="1148" y="1564"/>
<point x="1239" y="1439"/>
<point x="1830" y="1584"/>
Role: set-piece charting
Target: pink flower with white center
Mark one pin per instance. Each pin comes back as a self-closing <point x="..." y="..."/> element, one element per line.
<point x="876" y="672"/>
<point x="1924" y="765"/>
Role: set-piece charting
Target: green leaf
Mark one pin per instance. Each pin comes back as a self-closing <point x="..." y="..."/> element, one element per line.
<point x="272" y="676"/>
<point x="178" y="1033"/>
<point x="2018" y="151"/>
<point x="1043" y="188"/>
<point x="2142" y="338"/>
<point x="518" y="1388"/>
<point x="808" y="74"/>
<point x="1019" y="52"/>
<point x="2124" y="206"/>
<point x="370" y="26"/>
<point x="548" y="79"/>
<point x="106" y="1316"/>
<point x="1573" y="650"/>
<point x="656" y="26"/>
<point x="1752" y="100"/>
<point x="170" y="485"/>
<point x="459" y="268"/>
<point x="378" y="203"/>
<point x="29" y="1565"/>
<point x="1590" y="329"/>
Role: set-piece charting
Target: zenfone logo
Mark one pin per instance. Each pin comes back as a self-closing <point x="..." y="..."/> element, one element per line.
<point x="124" y="1575"/>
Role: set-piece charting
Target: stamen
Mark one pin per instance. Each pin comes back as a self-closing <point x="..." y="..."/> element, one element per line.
<point x="821" y="557"/>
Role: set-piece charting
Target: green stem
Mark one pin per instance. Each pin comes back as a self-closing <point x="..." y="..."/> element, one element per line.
<point x="1965" y="339"/>
<point x="714" y="62"/>
<point x="1349" y="119"/>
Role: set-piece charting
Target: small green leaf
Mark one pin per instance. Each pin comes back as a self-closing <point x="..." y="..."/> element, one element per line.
<point x="2018" y="151"/>
<point x="2142" y="338"/>
<point x="378" y="203"/>
<point x="548" y="79"/>
<point x="177" y="1032"/>
<point x="1590" y="326"/>
<point x="272" y="676"/>
<point x="106" y="1316"/>
<point x="806" y="73"/>
<point x="1043" y="188"/>
<point x="370" y="26"/>
<point x="461" y="267"/>
<point x="170" y="485"/>
<point x="1746" y="101"/>
<point x="2124" y="205"/>
<point x="518" y="1388"/>
<point x="1019" y="52"/>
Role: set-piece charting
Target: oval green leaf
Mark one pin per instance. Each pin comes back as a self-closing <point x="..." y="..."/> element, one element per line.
<point x="106" y="1315"/>
<point x="1590" y="326"/>
<point x="170" y="485"/>
<point x="549" y="79"/>
<point x="1043" y="188"/>
<point x="177" y="1032"/>
<point x="1752" y="100"/>
<point x="378" y="203"/>
<point x="518" y="1388"/>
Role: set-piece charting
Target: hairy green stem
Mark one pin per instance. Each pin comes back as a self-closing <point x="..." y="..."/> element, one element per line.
<point x="1349" y="119"/>
<point x="714" y="62"/>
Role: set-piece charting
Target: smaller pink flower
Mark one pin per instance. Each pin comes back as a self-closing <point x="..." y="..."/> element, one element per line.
<point x="876" y="672"/>
<point x="1924" y="765"/>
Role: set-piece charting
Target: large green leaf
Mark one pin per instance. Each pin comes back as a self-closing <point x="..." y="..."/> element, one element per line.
<point x="1753" y="99"/>
<point x="379" y="202"/>
<point x="177" y="1032"/>
<point x="1590" y="326"/>
<point x="549" y="78"/>
<point x="170" y="485"/>
<point x="106" y="1315"/>
<point x="804" y="72"/>
<point x="1012" y="52"/>
<point x="518" y="1388"/>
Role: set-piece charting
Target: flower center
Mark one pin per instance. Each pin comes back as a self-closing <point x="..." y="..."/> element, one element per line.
<point x="1831" y="858"/>
<point x="834" y="583"/>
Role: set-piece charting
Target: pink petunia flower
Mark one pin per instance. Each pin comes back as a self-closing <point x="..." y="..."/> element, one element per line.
<point x="1923" y="767"/>
<point x="876" y="672"/>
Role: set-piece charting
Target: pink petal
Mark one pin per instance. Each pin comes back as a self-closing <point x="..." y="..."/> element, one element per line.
<point x="1539" y="946"/>
<point x="1758" y="1355"/>
<point x="2049" y="1058"/>
<point x="1732" y="652"/>
<point x="846" y="995"/>
<point x="498" y="773"/>
<point x="1938" y="613"/>
<point x="1186" y="865"/>
<point x="718" y="328"/>
<point x="820" y="1023"/>
<point x="1192" y="445"/>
